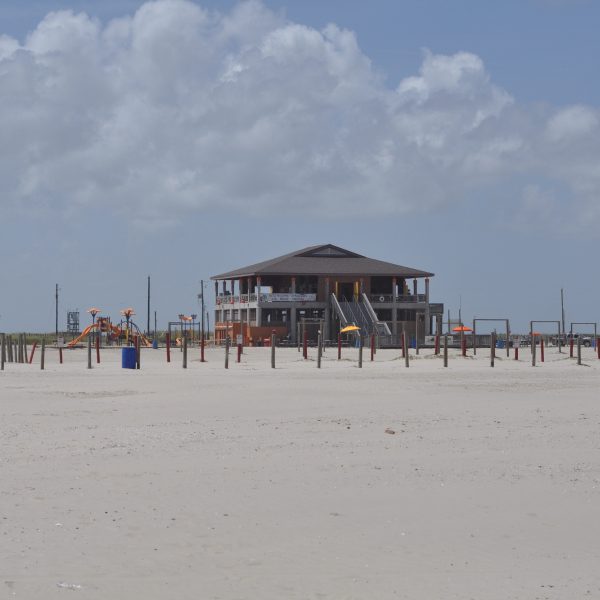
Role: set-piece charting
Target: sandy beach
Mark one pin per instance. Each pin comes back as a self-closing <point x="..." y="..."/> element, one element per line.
<point x="254" y="483"/>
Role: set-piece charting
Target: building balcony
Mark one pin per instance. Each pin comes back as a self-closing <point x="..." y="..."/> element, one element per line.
<point x="264" y="299"/>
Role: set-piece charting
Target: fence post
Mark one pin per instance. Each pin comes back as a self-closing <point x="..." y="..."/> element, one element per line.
<point x="541" y="349"/>
<point x="360" y="351"/>
<point x="2" y="350"/>
<point x="168" y="344"/>
<point x="445" y="351"/>
<point x="492" y="349"/>
<point x="579" y="350"/>
<point x="184" y="351"/>
<point x="24" y="347"/>
<point x="533" y="349"/>
<point x="407" y="352"/>
<point x="89" y="352"/>
<point x="340" y="347"/>
<point x="304" y="343"/>
<point x="227" y="352"/>
<point x="33" y="347"/>
<point x="319" y="349"/>
<point x="43" y="353"/>
<point x="273" y="351"/>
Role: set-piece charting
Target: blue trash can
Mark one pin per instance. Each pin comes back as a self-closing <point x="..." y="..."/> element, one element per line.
<point x="128" y="357"/>
<point x="154" y="345"/>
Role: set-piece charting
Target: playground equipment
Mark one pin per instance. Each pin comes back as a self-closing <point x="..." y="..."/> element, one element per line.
<point x="125" y="330"/>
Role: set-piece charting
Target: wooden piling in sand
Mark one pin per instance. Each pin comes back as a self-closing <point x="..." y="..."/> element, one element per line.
<point x="339" y="347"/>
<point x="98" y="348"/>
<point x="60" y="355"/>
<point x="138" y="352"/>
<point x="492" y="349"/>
<point x="360" y="351"/>
<point x="24" y="348"/>
<point x="2" y="350"/>
<point x="445" y="351"/>
<point x="89" y="352"/>
<point x="304" y="342"/>
<point x="407" y="353"/>
<point x="43" y="353"/>
<point x="319" y="349"/>
<point x="579" y="350"/>
<point x="168" y="344"/>
<point x="372" y="347"/>
<point x="227" y="352"/>
<point x="273" y="341"/>
<point x="239" y="353"/>
<point x="33" y="347"/>
<point x="533" y="350"/>
<point x="184" y="352"/>
<point x="542" y="349"/>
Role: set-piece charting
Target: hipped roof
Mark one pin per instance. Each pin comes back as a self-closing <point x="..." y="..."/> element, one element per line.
<point x="325" y="260"/>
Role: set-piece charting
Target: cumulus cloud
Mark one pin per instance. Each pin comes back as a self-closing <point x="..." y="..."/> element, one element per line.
<point x="176" y="109"/>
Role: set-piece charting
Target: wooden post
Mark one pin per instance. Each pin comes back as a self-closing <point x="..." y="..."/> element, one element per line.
<point x="239" y="352"/>
<point x="598" y="346"/>
<point x="516" y="352"/>
<point x="298" y="335"/>
<point x="463" y="343"/>
<point x="436" y="347"/>
<point x="98" y="348"/>
<point x="492" y="349"/>
<point x="24" y="348"/>
<point x="33" y="347"/>
<point x="2" y="350"/>
<point x="360" y="351"/>
<point x="340" y="347"/>
<point x="403" y="343"/>
<point x="407" y="353"/>
<point x="304" y="342"/>
<point x="372" y="347"/>
<point x="185" y="351"/>
<point x="541" y="349"/>
<point x="202" y="347"/>
<point x="9" y="349"/>
<point x="227" y="352"/>
<point x="138" y="352"/>
<point x="579" y="350"/>
<point x="273" y="339"/>
<point x="319" y="349"/>
<point x="533" y="350"/>
<point x="60" y="355"/>
<point x="417" y="335"/>
<point x="168" y="344"/>
<point x="43" y="353"/>
<point x="89" y="352"/>
<point x="571" y="348"/>
<point x="445" y="351"/>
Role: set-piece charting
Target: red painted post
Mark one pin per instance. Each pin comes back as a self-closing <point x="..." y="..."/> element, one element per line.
<point x="516" y="352"/>
<point x="305" y="345"/>
<point x="60" y="359"/>
<point x="168" y="342"/>
<point x="571" y="348"/>
<point x="436" y="349"/>
<point x="541" y="349"/>
<point x="98" y="348"/>
<point x="372" y="347"/>
<point x="239" y="352"/>
<point x="32" y="352"/>
<point x="340" y="347"/>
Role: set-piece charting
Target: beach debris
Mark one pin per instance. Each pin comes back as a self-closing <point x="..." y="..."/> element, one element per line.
<point x="68" y="586"/>
<point x="390" y="431"/>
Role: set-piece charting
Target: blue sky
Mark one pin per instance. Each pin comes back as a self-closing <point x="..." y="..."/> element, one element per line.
<point x="188" y="139"/>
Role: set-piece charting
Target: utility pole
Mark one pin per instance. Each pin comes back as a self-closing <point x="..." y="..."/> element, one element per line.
<point x="148" y="321"/>
<point x="56" y="309"/>
<point x="562" y="309"/>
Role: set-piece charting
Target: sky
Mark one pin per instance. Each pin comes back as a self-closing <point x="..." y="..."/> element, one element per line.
<point x="182" y="139"/>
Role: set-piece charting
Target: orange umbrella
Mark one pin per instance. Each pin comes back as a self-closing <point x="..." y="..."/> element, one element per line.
<point x="462" y="328"/>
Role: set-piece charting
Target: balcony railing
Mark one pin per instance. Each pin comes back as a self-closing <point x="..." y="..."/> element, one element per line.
<point x="246" y="298"/>
<point x="383" y="298"/>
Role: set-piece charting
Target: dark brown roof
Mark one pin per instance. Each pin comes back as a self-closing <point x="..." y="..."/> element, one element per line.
<point x="326" y="260"/>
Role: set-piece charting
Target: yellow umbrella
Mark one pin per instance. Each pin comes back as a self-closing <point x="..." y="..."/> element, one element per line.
<point x="349" y="328"/>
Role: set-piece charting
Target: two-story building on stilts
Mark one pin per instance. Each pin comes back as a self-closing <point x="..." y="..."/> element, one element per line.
<point x="328" y="286"/>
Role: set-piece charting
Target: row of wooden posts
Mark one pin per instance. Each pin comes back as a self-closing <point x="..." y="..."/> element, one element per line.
<point x="14" y="350"/>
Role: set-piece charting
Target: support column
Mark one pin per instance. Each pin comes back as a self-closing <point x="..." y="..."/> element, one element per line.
<point x="394" y="306"/>
<point x="327" y="324"/>
<point x="415" y="286"/>
<point x="427" y="311"/>
<point x="249" y="291"/>
<point x="293" y="315"/>
<point x="258" y="308"/>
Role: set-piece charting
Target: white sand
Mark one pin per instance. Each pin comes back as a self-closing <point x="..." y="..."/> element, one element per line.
<point x="259" y="484"/>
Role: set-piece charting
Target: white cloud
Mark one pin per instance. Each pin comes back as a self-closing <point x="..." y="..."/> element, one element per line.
<point x="177" y="109"/>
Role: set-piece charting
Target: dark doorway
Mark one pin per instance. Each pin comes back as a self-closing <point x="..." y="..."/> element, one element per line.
<point x="346" y="290"/>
